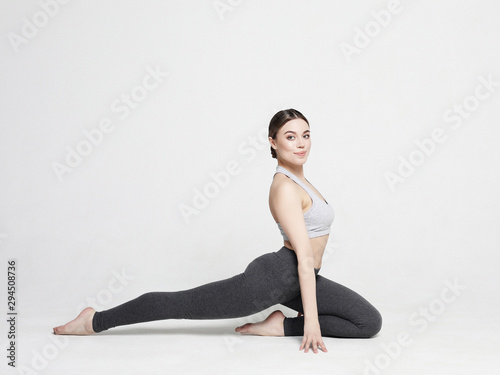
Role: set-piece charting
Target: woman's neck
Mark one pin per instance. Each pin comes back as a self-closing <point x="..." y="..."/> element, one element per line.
<point x="297" y="170"/>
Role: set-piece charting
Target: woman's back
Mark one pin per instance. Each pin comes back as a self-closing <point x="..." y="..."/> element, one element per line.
<point x="318" y="214"/>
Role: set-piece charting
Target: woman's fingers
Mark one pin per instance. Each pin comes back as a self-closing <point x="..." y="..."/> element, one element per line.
<point x="306" y="343"/>
<point x="323" y="346"/>
<point x="315" y="347"/>
<point x="303" y="345"/>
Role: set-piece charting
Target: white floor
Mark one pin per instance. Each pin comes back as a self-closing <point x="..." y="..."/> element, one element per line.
<point x="457" y="339"/>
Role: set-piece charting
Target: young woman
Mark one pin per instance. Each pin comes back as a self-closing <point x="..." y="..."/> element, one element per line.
<point x="288" y="276"/>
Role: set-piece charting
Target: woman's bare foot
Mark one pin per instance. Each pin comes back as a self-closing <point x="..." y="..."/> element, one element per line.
<point x="271" y="326"/>
<point x="81" y="325"/>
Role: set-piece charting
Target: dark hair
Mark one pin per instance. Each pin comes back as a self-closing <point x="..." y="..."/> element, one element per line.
<point x="280" y="119"/>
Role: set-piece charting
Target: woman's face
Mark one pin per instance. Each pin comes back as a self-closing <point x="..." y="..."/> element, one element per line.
<point x="293" y="142"/>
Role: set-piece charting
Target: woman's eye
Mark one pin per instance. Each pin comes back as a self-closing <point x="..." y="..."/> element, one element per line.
<point x="290" y="137"/>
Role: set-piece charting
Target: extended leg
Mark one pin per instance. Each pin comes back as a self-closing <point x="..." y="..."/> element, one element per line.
<point x="260" y="286"/>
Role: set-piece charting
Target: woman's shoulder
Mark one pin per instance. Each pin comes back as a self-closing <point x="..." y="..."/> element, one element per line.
<point x="282" y="185"/>
<point x="279" y="179"/>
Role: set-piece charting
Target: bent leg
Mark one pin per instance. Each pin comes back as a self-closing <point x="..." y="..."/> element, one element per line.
<point x="257" y="288"/>
<point x="341" y="312"/>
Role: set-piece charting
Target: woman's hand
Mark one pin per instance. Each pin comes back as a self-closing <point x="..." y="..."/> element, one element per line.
<point x="312" y="335"/>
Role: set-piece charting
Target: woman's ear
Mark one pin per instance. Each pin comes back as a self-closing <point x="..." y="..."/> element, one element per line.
<point x="272" y="143"/>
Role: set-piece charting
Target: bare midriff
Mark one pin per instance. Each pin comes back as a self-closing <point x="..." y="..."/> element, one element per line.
<point x="318" y="245"/>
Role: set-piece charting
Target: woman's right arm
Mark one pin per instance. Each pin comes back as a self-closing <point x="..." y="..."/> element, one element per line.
<point x="287" y="204"/>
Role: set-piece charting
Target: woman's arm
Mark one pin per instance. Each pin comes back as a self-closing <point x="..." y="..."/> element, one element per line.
<point x="287" y="204"/>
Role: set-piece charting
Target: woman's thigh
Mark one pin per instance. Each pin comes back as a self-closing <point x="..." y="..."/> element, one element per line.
<point x="271" y="280"/>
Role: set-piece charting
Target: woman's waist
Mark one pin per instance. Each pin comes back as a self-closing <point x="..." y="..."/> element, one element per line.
<point x="318" y="246"/>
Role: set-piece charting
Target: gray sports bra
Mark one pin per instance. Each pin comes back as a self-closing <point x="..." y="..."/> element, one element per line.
<point x="319" y="217"/>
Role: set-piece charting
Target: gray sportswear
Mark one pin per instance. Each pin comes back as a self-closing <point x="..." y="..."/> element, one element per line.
<point x="270" y="279"/>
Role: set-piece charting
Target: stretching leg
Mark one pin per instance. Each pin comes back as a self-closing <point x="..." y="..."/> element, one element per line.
<point x="260" y="286"/>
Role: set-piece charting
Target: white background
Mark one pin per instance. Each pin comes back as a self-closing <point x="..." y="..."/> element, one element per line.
<point x="229" y="71"/>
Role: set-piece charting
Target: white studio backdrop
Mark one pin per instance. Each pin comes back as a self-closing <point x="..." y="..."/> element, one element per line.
<point x="134" y="142"/>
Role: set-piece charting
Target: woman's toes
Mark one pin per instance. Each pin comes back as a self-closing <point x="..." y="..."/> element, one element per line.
<point x="242" y="329"/>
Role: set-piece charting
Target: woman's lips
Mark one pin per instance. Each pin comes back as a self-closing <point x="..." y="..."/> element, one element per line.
<point x="300" y="153"/>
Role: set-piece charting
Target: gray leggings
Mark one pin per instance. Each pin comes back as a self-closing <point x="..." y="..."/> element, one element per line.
<point x="268" y="280"/>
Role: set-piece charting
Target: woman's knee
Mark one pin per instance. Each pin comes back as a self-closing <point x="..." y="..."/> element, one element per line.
<point x="372" y="323"/>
